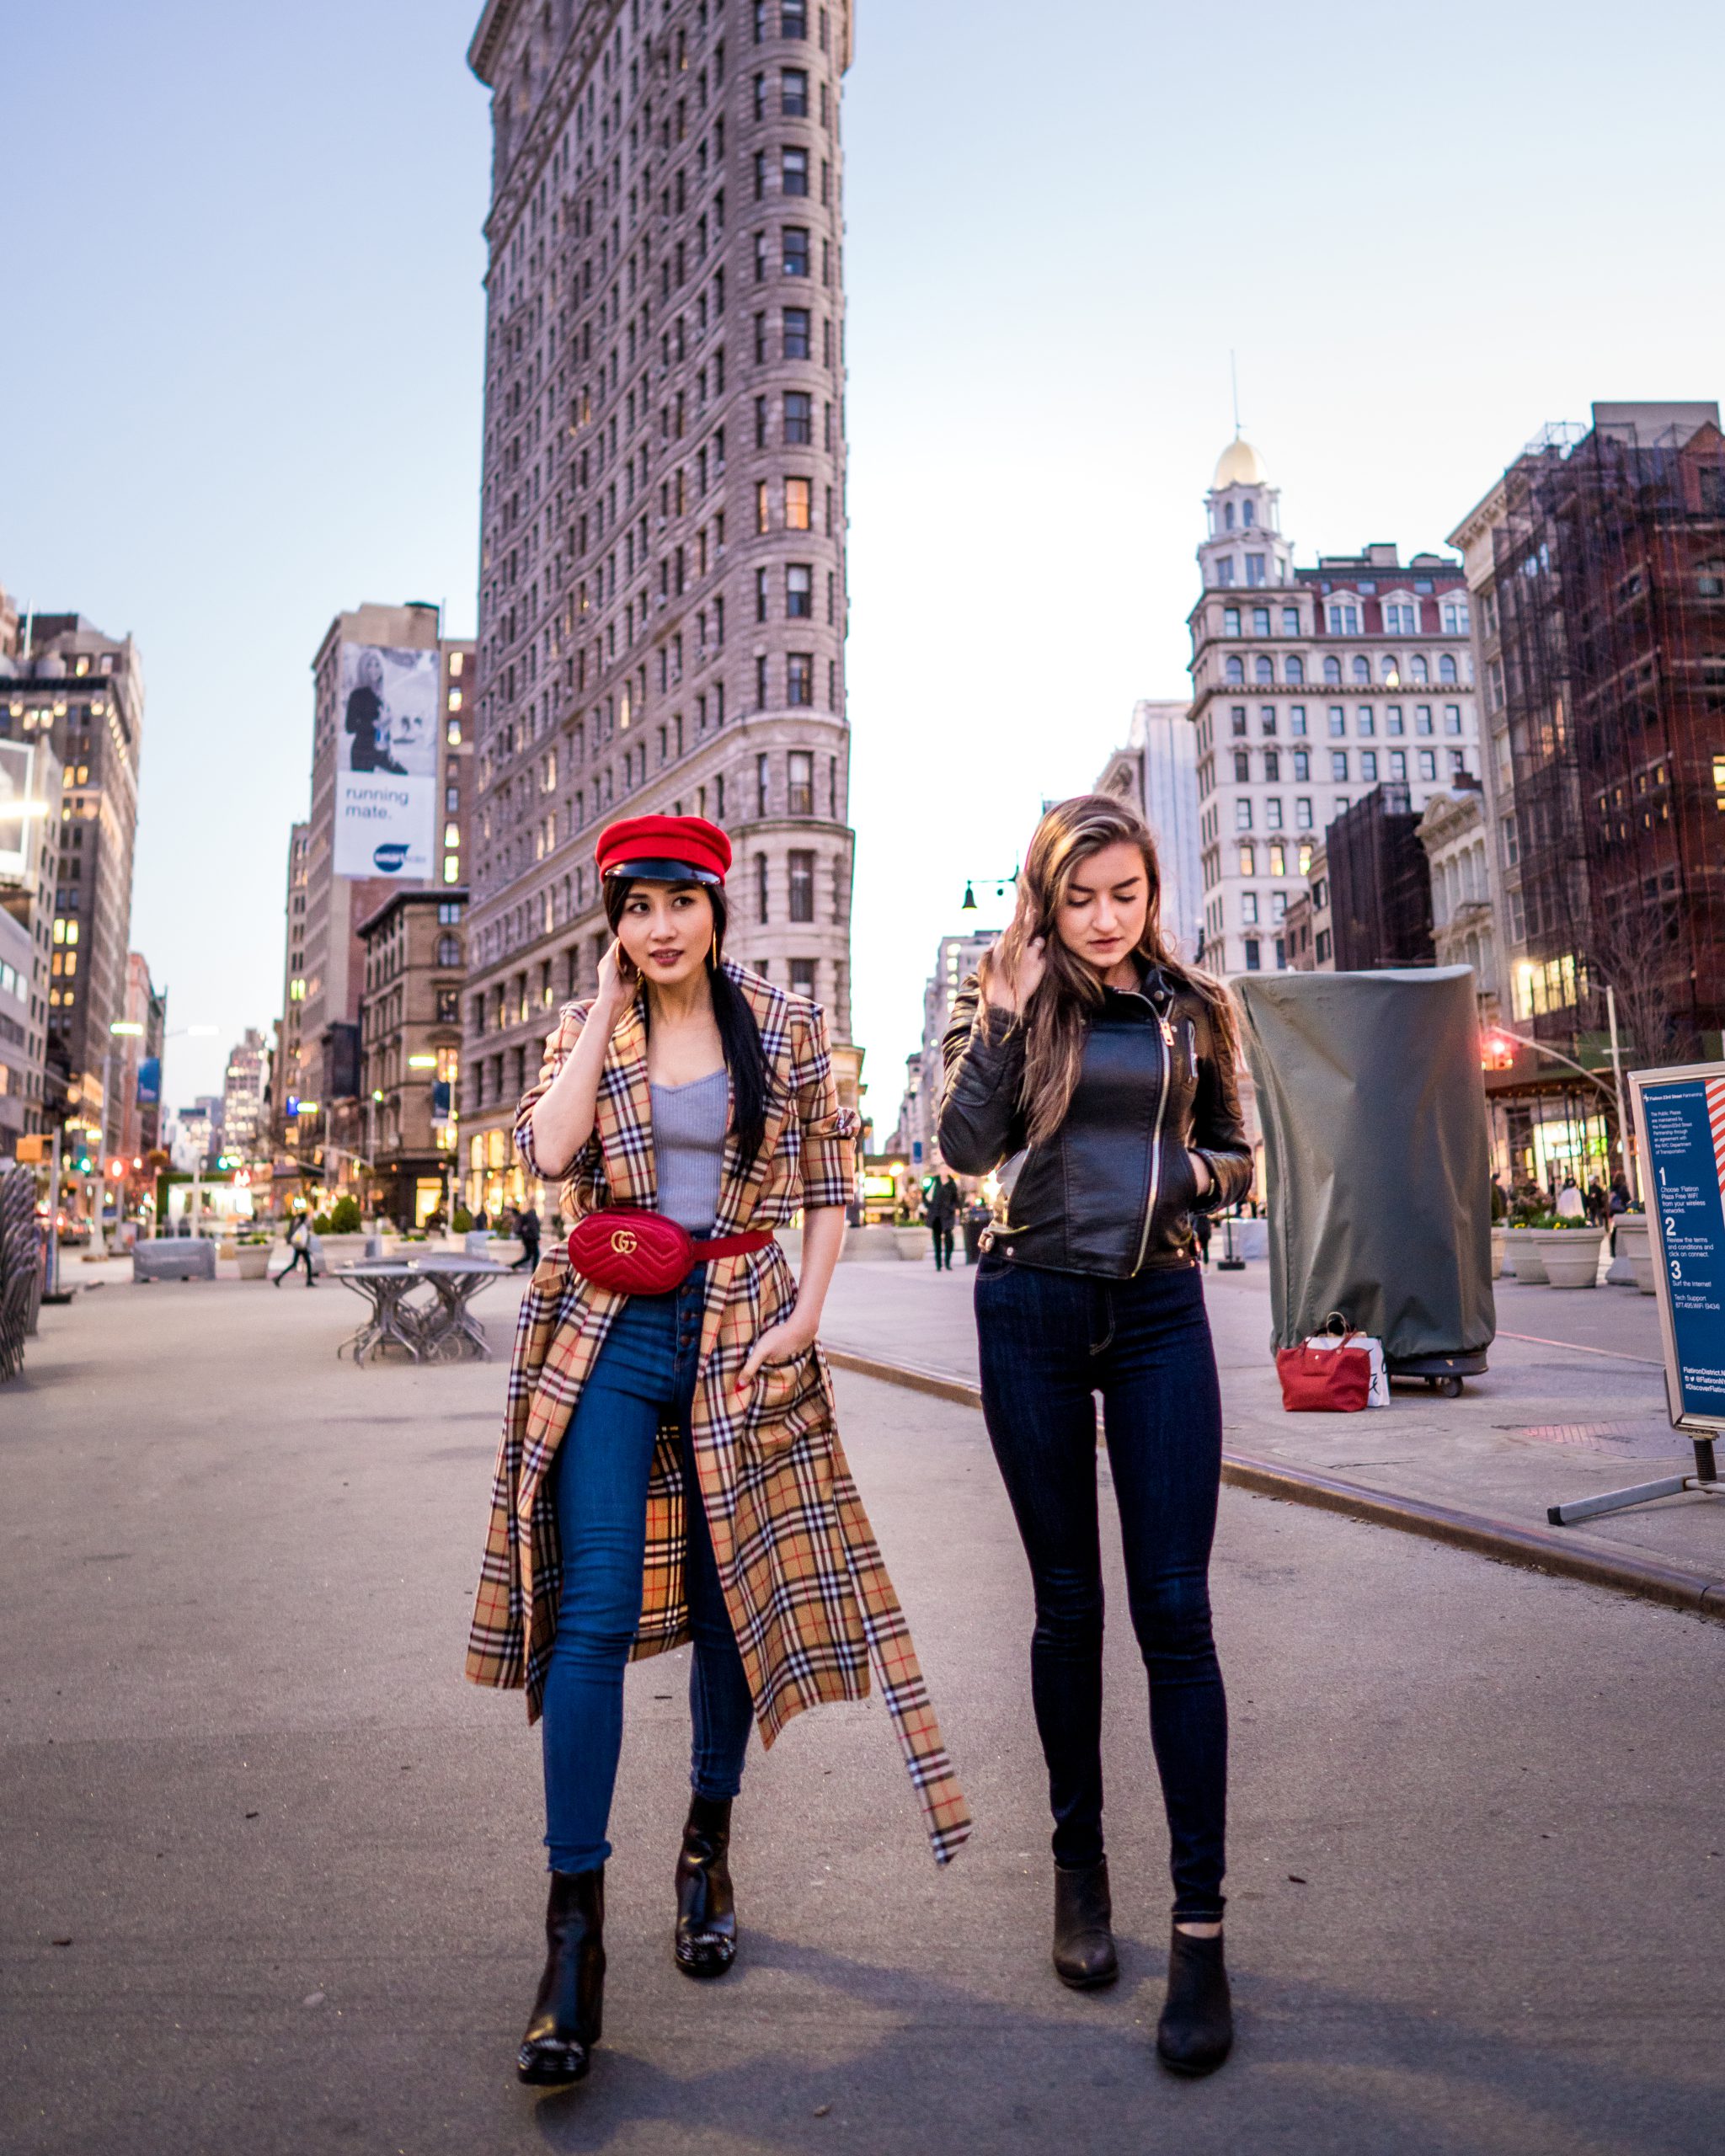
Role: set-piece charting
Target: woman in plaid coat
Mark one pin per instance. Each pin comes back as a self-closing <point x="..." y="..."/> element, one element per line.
<point x="670" y="1469"/>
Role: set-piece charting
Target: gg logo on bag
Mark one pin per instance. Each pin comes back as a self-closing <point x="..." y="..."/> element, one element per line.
<point x="622" y="1241"/>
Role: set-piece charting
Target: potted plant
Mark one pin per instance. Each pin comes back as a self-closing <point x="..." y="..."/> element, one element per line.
<point x="1520" y="1246"/>
<point x="913" y="1241"/>
<point x="1569" y="1251"/>
<point x="343" y="1231"/>
<point x="1635" y="1247"/>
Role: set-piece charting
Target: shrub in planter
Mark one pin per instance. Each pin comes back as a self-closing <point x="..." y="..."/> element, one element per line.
<point x="320" y="1224"/>
<point x="343" y="1218"/>
<point x="460" y="1221"/>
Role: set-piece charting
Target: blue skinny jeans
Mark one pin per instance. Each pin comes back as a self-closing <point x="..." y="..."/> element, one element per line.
<point x="645" y="1371"/>
<point x="1048" y="1342"/>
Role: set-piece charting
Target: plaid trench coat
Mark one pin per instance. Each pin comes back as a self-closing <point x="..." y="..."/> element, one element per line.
<point x="808" y="1597"/>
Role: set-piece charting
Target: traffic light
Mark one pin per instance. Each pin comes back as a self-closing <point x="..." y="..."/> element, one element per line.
<point x="83" y="1164"/>
<point x="116" y="1169"/>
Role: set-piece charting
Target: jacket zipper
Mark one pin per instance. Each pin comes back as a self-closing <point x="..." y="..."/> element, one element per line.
<point x="1155" y="1142"/>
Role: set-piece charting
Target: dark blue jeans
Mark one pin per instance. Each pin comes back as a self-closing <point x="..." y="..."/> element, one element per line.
<point x="645" y="1370"/>
<point x="1048" y="1342"/>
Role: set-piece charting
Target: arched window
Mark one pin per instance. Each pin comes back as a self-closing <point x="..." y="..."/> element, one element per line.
<point x="1228" y="516"/>
<point x="1391" y="668"/>
<point x="1417" y="671"/>
<point x="1235" y="670"/>
<point x="449" y="950"/>
<point x="1332" y="670"/>
<point x="1296" y="670"/>
<point x="1266" y="670"/>
<point x="1246" y="517"/>
<point x="1446" y="669"/>
<point x="1362" y="668"/>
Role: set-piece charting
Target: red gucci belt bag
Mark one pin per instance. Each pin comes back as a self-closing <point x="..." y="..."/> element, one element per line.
<point x="634" y="1253"/>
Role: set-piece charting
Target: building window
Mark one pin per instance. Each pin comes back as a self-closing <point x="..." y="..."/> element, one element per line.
<point x="1291" y="620"/>
<point x="1225" y="570"/>
<point x="1422" y="719"/>
<point x="1458" y="762"/>
<point x="1338" y="722"/>
<point x="1243" y="815"/>
<point x="1248" y="908"/>
<point x="799" y="418"/>
<point x="793" y="17"/>
<point x="1365" y="725"/>
<point x="1242" y="768"/>
<point x="761" y="523"/>
<point x="1302" y="817"/>
<point x="1237" y="719"/>
<point x="761" y="893"/>
<point x="449" y="1006"/>
<point x="1428" y="763"/>
<point x="1339" y="763"/>
<point x="1400" y="621"/>
<point x="793" y="171"/>
<point x="799" y="591"/>
<point x="793" y="92"/>
<point x="1296" y="719"/>
<point x="1230" y="621"/>
<point x="761" y="594"/>
<point x="798" y="503"/>
<point x="797" y="320"/>
<point x="1272" y="768"/>
<point x="1254" y="961"/>
<point x="1398" y="763"/>
<point x="449" y="950"/>
<point x="1321" y="947"/>
<point x="1234" y="670"/>
<point x="803" y="977"/>
<point x="1362" y="670"/>
<point x="1393" y="719"/>
<point x="799" y="681"/>
<point x="1343" y="621"/>
<point x="1264" y="670"/>
<point x="1368" y="765"/>
<point x="802" y="884"/>
<point x="796" y="251"/>
<point x="1273" y="807"/>
<point x="760" y="687"/>
<point x="1260" y="621"/>
<point x="1455" y="618"/>
<point x="1302" y="765"/>
<point x="1295" y="670"/>
<point x="1254" y="566"/>
<point x="1248" y="861"/>
<point x="1446" y="669"/>
<point x="1267" y="719"/>
<point x="1452" y="718"/>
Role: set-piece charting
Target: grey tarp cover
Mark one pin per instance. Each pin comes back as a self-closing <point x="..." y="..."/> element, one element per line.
<point x="1372" y="1105"/>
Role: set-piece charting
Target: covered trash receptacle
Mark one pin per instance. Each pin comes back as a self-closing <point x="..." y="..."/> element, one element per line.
<point x="1377" y="1161"/>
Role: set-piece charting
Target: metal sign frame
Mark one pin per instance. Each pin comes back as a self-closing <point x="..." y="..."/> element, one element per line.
<point x="1700" y="1430"/>
<point x="1639" y="1081"/>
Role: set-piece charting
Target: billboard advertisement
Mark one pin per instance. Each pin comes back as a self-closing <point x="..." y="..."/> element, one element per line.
<point x="386" y="762"/>
<point x="17" y="780"/>
<point x="150" y="1082"/>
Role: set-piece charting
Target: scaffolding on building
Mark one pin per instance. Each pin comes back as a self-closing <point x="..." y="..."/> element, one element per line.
<point x="1610" y="598"/>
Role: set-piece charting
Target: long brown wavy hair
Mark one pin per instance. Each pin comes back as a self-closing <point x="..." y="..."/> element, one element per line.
<point x="1069" y="995"/>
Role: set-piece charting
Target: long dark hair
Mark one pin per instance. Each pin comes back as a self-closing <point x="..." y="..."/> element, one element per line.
<point x="1069" y="994"/>
<point x="744" y="1058"/>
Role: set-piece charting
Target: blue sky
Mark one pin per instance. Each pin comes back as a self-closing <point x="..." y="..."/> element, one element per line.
<point x="241" y="373"/>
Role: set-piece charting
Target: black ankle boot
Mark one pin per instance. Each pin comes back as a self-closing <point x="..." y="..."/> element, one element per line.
<point x="1196" y="2032"/>
<point x="1084" y="1939"/>
<point x="564" y="2027"/>
<point x="706" y="1940"/>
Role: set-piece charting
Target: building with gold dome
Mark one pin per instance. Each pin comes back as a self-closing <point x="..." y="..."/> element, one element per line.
<point x="1311" y="689"/>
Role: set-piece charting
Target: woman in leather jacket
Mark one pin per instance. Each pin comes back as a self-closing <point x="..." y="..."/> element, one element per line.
<point x="1084" y="1046"/>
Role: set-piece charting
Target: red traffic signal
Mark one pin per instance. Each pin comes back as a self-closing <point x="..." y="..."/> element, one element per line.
<point x="1497" y="1052"/>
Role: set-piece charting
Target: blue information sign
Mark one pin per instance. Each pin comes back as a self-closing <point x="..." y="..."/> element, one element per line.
<point x="1681" y="1115"/>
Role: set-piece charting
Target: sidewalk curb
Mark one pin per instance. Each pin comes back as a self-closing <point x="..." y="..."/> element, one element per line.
<point x="1533" y="1549"/>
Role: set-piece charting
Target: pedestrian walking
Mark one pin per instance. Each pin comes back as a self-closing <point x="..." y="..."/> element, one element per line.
<point x="301" y="1249"/>
<point x="1082" y="1037"/>
<point x="528" y="1229"/>
<point x="940" y="1209"/>
<point x="670" y="1468"/>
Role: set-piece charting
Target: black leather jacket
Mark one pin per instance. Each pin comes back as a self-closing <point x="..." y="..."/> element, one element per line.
<point x="1110" y="1192"/>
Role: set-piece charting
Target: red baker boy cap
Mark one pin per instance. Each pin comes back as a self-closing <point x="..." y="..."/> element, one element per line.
<point x="664" y="850"/>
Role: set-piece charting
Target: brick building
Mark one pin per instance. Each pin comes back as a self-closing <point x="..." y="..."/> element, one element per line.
<point x="410" y="1037"/>
<point x="662" y="604"/>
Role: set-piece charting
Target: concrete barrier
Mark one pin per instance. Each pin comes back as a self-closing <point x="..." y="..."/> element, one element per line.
<point x="176" y="1258"/>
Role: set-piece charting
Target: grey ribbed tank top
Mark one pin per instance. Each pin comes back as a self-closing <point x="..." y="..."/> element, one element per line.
<point x="688" y="1148"/>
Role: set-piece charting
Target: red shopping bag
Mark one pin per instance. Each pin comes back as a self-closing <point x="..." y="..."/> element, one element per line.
<point x="1330" y="1375"/>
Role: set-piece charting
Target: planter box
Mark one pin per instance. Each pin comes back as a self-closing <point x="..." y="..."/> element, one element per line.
<point x="876" y="1242"/>
<point x="1499" y="1251"/>
<point x="1634" y="1248"/>
<point x="1571" y="1255"/>
<point x="1523" y="1253"/>
<point x="913" y="1244"/>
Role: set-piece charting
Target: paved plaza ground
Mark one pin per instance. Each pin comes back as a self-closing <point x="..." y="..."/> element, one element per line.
<point x="269" y="1881"/>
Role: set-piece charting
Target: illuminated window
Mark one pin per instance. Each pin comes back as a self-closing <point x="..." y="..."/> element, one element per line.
<point x="1305" y="857"/>
<point x="454" y="699"/>
<point x="761" y="518"/>
<point x="1248" y="865"/>
<point x="1279" y="862"/>
<point x="1719" y="784"/>
<point x="455" y="733"/>
<point x="798" y="496"/>
<point x="1550" y="984"/>
<point x="452" y="868"/>
<point x="452" y="835"/>
<point x="457" y="662"/>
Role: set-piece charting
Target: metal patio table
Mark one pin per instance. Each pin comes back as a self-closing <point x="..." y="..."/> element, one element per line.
<point x="385" y="1284"/>
<point x="451" y="1332"/>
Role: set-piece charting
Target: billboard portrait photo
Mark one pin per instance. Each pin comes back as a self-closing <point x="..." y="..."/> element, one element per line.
<point x="386" y="747"/>
<point x="17" y="785"/>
